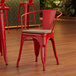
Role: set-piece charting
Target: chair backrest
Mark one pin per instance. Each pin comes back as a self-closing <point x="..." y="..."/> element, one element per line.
<point x="2" y="1"/>
<point x="49" y="18"/>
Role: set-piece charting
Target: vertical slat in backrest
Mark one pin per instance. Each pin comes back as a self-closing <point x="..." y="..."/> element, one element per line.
<point x="48" y="18"/>
<point x="30" y="1"/>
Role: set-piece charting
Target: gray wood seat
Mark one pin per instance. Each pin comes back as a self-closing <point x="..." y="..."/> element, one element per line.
<point x="37" y="31"/>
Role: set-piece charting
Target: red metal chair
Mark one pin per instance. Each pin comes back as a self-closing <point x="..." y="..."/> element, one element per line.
<point x="26" y="9"/>
<point x="3" y="4"/>
<point x="2" y="1"/>
<point x="41" y="37"/>
<point x="2" y="34"/>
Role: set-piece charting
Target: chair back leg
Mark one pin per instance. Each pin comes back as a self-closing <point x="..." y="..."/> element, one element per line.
<point x="36" y="49"/>
<point x="54" y="49"/>
<point x="26" y="9"/>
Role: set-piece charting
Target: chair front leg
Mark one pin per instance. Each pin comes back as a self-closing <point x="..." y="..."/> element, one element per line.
<point x="54" y="48"/>
<point x="43" y="56"/>
<point x="21" y="45"/>
<point x="36" y="49"/>
<point x="1" y="46"/>
<point x="18" y="16"/>
<point x="43" y="52"/>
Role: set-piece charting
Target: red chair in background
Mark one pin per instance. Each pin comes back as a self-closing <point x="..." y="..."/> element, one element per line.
<point x="40" y="37"/>
<point x="3" y="4"/>
<point x="26" y="9"/>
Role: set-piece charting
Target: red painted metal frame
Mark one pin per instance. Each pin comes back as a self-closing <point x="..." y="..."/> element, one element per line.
<point x="3" y="4"/>
<point x="2" y="1"/>
<point x="3" y="49"/>
<point x="26" y="9"/>
<point x="40" y="40"/>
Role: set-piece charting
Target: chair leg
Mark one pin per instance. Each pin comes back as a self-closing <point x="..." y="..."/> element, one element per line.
<point x="28" y="16"/>
<point x="54" y="48"/>
<point x="43" y="51"/>
<point x="7" y="19"/>
<point x="3" y="37"/>
<point x="18" y="16"/>
<point x="21" y="45"/>
<point x="4" y="49"/>
<point x="43" y="56"/>
<point x="36" y="49"/>
<point x="1" y="46"/>
<point x="34" y="15"/>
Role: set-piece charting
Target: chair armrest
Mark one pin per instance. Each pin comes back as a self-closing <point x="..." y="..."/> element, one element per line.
<point x="25" y="14"/>
<point x="56" y="19"/>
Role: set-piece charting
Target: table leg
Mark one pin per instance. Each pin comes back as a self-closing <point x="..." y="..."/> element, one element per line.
<point x="3" y="36"/>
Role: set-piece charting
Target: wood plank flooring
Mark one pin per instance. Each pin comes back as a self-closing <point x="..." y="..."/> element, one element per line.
<point x="65" y="39"/>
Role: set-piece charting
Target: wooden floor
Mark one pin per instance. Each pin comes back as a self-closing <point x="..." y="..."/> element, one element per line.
<point x="65" y="39"/>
